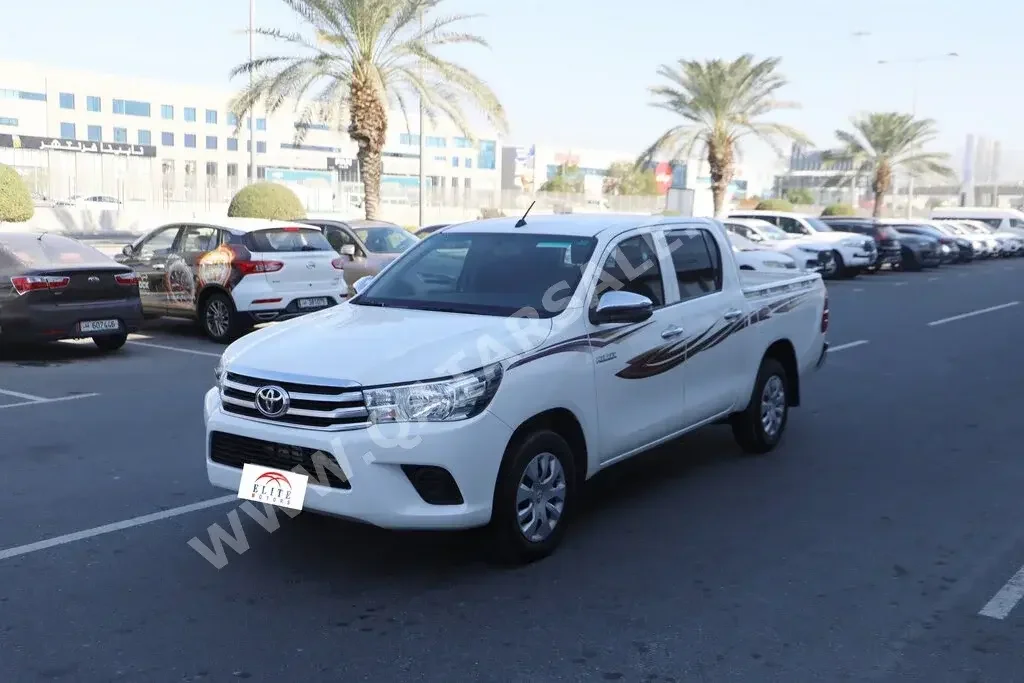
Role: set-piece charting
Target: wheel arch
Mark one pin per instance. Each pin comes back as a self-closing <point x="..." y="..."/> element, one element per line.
<point x="782" y="351"/>
<point x="563" y="422"/>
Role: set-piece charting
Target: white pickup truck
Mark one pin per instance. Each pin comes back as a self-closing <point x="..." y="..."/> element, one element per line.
<point x="482" y="377"/>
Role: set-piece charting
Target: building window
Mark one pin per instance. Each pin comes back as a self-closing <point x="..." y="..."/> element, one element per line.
<point x="211" y="116"/>
<point x="312" y="126"/>
<point x="131" y="107"/>
<point x="233" y="120"/>
<point x="190" y="139"/>
<point x="7" y="121"/>
<point x="67" y="100"/>
<point x="467" y="163"/>
<point x="94" y="133"/>
<point x="92" y="103"/>
<point x="232" y="144"/>
<point x="145" y="138"/>
<point x="8" y="94"/>
<point x="455" y="162"/>
<point x="211" y="142"/>
<point x="261" y="146"/>
<point x="167" y="139"/>
<point x="442" y="159"/>
<point x="436" y="142"/>
<point x="190" y="114"/>
<point x="121" y="135"/>
<point x="67" y="131"/>
<point x="463" y="143"/>
<point x="211" y="173"/>
<point x="167" y="112"/>
<point x="409" y="139"/>
<point x="261" y="124"/>
<point x="486" y="159"/>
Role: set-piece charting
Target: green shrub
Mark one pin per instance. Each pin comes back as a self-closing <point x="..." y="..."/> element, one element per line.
<point x="799" y="195"/>
<point x="266" y="200"/>
<point x="774" y="205"/>
<point x="15" y="201"/>
<point x="839" y="210"/>
<point x="491" y="213"/>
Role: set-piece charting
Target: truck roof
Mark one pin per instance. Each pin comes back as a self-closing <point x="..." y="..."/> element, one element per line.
<point x="582" y="225"/>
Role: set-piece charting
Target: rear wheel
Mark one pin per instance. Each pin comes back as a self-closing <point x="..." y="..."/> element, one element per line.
<point x="219" y="319"/>
<point x="840" y="266"/>
<point x="110" y="342"/>
<point x="760" y="427"/>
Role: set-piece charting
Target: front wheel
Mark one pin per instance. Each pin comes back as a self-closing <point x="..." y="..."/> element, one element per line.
<point x="218" y="318"/>
<point x="759" y="428"/>
<point x="110" y="342"/>
<point x="533" y="499"/>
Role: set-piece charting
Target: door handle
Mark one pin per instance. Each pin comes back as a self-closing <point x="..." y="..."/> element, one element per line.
<point x="672" y="332"/>
<point x="732" y="314"/>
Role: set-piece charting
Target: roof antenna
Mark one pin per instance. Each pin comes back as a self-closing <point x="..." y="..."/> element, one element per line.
<point x="522" y="221"/>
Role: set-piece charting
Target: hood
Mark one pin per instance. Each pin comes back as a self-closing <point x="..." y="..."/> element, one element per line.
<point x="371" y="345"/>
<point x="918" y="240"/>
<point x="800" y="243"/>
<point x="837" y="236"/>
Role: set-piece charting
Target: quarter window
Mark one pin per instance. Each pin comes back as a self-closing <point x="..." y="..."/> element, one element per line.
<point x="633" y="267"/>
<point x="697" y="262"/>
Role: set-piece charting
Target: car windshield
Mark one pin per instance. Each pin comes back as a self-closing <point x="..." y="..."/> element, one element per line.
<point x="773" y="232"/>
<point x="386" y="240"/>
<point x="818" y="224"/>
<point x="53" y="251"/>
<point x="497" y="274"/>
<point x="741" y="242"/>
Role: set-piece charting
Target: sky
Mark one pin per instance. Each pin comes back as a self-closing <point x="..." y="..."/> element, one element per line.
<point x="576" y="73"/>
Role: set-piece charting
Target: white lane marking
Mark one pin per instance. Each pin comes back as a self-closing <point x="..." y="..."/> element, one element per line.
<point x="1003" y="602"/>
<point x="858" y="289"/>
<point x="41" y="401"/>
<point x="115" y="526"/>
<point x="932" y="279"/>
<point x="898" y="284"/>
<point x="24" y="397"/>
<point x="175" y="348"/>
<point x="850" y="345"/>
<point x="971" y="314"/>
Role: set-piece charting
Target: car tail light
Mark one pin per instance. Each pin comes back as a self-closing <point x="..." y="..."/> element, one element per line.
<point x="338" y="264"/>
<point x="824" y="316"/>
<point x="24" y="284"/>
<point x="127" y="279"/>
<point x="253" y="267"/>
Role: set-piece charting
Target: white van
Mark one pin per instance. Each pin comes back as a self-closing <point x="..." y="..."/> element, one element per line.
<point x="1004" y="220"/>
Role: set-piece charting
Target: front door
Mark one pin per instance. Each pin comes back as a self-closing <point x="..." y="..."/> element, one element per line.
<point x="356" y="265"/>
<point x="183" y="267"/>
<point x="638" y="366"/>
<point x="149" y="260"/>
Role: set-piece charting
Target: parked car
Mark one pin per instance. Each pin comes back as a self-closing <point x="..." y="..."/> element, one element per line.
<point x="949" y="251"/>
<point x="974" y="246"/>
<point x="53" y="287"/>
<point x="366" y="246"/>
<point x="1007" y="242"/>
<point x="1002" y="220"/>
<point x="94" y="202"/>
<point x="235" y="273"/>
<point x="965" y="246"/>
<point x="809" y="255"/>
<point x="887" y="242"/>
<point x="918" y="250"/>
<point x="498" y="420"/>
<point x="430" y="229"/>
<point x="853" y="252"/>
<point x="984" y="243"/>
<point x="750" y="256"/>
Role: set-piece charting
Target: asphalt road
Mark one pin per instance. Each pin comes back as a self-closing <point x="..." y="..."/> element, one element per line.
<point x="862" y="550"/>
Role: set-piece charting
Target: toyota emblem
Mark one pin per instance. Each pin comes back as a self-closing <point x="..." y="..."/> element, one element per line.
<point x="272" y="401"/>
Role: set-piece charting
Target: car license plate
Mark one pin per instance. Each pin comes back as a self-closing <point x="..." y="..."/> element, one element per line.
<point x="273" y="487"/>
<point x="317" y="302"/>
<point x="99" y="326"/>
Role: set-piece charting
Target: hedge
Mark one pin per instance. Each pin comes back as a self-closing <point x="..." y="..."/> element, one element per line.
<point x="15" y="201"/>
<point x="839" y="210"/>
<point x="774" y="205"/>
<point x="266" y="200"/>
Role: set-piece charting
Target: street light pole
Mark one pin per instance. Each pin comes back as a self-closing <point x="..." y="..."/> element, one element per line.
<point x="423" y="141"/>
<point x="252" y="113"/>
<point x="915" y="63"/>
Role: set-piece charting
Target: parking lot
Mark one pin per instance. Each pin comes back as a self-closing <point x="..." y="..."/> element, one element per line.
<point x="881" y="542"/>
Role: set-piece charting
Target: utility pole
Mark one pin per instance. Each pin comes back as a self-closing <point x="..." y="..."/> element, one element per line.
<point x="422" y="139"/>
<point x="252" y="113"/>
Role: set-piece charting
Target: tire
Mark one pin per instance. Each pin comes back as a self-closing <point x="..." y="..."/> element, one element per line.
<point x="510" y="544"/>
<point x="748" y="427"/>
<point x="110" y="342"/>
<point x="219" y="319"/>
<point x="841" y="268"/>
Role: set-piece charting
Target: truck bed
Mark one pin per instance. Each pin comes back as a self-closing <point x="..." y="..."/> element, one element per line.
<point x="760" y="284"/>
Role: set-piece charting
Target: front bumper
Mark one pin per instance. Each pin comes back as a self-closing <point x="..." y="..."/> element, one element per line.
<point x="263" y="314"/>
<point x="51" y="322"/>
<point x="381" y="493"/>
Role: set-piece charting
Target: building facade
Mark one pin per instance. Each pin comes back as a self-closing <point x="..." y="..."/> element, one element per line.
<point x="71" y="132"/>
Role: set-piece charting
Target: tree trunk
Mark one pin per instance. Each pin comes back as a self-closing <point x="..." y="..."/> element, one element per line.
<point x="720" y="166"/>
<point x="368" y="128"/>
<point x="880" y="185"/>
<point x="879" y="203"/>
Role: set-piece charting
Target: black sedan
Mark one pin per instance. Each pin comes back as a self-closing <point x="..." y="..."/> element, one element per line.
<point x="53" y="287"/>
<point x="887" y="241"/>
<point x="957" y="249"/>
<point x="919" y="251"/>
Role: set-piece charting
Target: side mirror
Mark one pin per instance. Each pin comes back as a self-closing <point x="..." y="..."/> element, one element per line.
<point x="622" y="307"/>
<point x="362" y="283"/>
<point x="348" y="250"/>
<point x="127" y="250"/>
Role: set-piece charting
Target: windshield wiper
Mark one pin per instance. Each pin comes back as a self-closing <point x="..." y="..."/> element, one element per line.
<point x="369" y="302"/>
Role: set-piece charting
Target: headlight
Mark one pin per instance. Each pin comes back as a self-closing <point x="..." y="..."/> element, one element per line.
<point x="945" y="248"/>
<point x="780" y="264"/>
<point x="809" y="250"/>
<point x="852" y="242"/>
<point x="457" y="398"/>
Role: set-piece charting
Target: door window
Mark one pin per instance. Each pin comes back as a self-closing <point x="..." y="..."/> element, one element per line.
<point x="159" y="244"/>
<point x="633" y="267"/>
<point x="791" y="225"/>
<point x="338" y="238"/>
<point x="198" y="239"/>
<point x="697" y="262"/>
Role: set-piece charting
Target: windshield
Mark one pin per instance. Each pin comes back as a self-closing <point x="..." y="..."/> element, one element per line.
<point x="497" y="274"/>
<point x="386" y="240"/>
<point x="741" y="242"/>
<point x="773" y="232"/>
<point x="818" y="224"/>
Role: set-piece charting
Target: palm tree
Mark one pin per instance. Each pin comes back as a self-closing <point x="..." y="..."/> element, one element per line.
<point x="883" y="142"/>
<point x="721" y="102"/>
<point x="364" y="58"/>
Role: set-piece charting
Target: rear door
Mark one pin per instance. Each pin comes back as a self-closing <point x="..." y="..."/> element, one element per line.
<point x="149" y="259"/>
<point x="305" y="256"/>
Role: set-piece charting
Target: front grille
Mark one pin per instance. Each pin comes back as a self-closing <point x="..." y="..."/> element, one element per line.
<point x="869" y="245"/>
<point x="235" y="451"/>
<point x="312" y="406"/>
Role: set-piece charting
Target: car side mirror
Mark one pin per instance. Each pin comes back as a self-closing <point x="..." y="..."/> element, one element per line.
<point x="348" y="250"/>
<point x="127" y="250"/>
<point x="362" y="283"/>
<point x="622" y="307"/>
